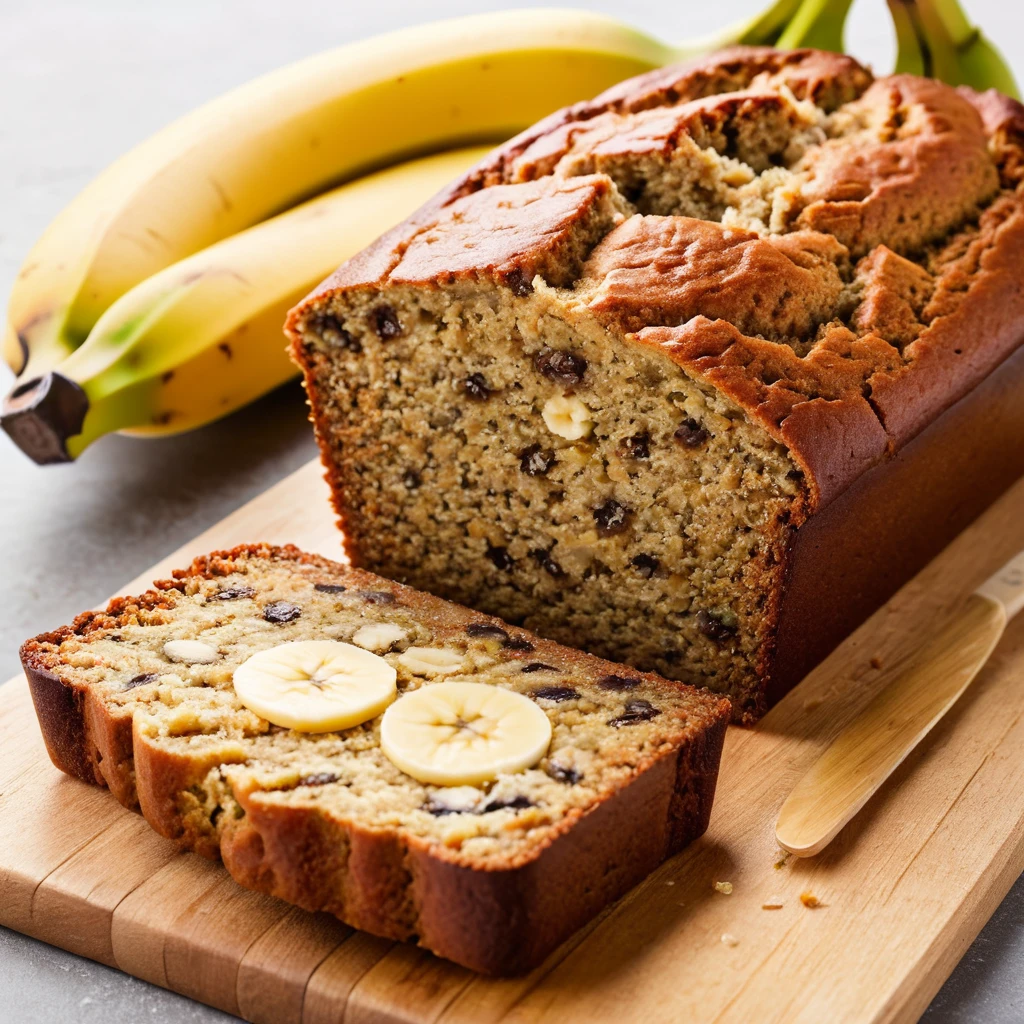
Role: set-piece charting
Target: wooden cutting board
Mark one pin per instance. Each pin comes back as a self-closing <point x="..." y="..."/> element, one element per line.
<point x="903" y="890"/>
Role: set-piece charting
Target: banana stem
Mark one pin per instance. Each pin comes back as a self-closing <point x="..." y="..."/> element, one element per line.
<point x="761" y="30"/>
<point x="40" y="415"/>
<point x="941" y="57"/>
<point x="817" y="23"/>
<point x="936" y="39"/>
<point x="766" y="27"/>
<point x="910" y="57"/>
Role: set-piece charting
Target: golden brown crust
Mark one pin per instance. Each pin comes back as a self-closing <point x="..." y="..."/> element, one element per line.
<point x="509" y="230"/>
<point x="853" y="556"/>
<point x="825" y="78"/>
<point x="878" y="289"/>
<point x="502" y="919"/>
<point x="918" y="170"/>
<point x="668" y="270"/>
<point x="905" y="201"/>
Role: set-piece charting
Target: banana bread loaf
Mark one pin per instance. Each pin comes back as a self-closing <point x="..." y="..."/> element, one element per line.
<point x="152" y="698"/>
<point x="694" y="375"/>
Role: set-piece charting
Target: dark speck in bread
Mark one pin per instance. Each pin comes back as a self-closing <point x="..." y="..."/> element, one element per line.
<point x="617" y="684"/>
<point x="281" y="611"/>
<point x="517" y="803"/>
<point x="141" y="680"/>
<point x="636" y="711"/>
<point x="517" y="643"/>
<point x="486" y="631"/>
<point x="386" y="323"/>
<point x="556" y="693"/>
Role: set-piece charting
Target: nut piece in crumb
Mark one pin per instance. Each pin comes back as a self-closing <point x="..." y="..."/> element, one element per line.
<point x="567" y="417"/>
<point x="431" y="661"/>
<point x="772" y="903"/>
<point x="723" y="887"/>
<point x="455" y="800"/>
<point x="808" y="899"/>
<point x="729" y="939"/>
<point x="190" y="652"/>
<point x="378" y="636"/>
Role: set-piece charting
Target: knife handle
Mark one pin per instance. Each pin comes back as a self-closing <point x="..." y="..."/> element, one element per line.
<point x="1007" y="586"/>
<point x="921" y="687"/>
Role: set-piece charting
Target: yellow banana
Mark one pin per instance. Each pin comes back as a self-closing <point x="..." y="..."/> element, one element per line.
<point x="115" y="267"/>
<point x="203" y="337"/>
<point x="289" y="135"/>
<point x="936" y="37"/>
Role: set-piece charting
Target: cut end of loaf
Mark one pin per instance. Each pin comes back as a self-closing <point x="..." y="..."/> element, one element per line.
<point x="596" y="386"/>
<point x="493" y="461"/>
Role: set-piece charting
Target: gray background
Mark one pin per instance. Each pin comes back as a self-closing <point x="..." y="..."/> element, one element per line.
<point x="81" y="83"/>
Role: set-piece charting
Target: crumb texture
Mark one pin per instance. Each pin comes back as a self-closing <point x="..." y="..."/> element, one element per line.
<point x="289" y="811"/>
<point x="636" y="348"/>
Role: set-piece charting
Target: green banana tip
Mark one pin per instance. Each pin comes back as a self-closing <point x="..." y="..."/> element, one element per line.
<point x="39" y="415"/>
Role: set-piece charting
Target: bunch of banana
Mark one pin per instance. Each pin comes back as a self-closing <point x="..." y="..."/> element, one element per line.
<point x="935" y="38"/>
<point x="154" y="302"/>
<point x="204" y="335"/>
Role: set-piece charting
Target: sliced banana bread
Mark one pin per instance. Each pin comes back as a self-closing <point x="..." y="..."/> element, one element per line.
<point x="544" y="782"/>
<point x="694" y="375"/>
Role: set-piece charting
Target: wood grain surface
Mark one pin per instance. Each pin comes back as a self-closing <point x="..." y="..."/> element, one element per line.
<point x="917" y="690"/>
<point x="902" y="890"/>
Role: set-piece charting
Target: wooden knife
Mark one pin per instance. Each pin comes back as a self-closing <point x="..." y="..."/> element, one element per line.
<point x="923" y="687"/>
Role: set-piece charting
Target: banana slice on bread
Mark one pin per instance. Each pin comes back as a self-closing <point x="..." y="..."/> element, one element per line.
<point x="316" y="685"/>
<point x="448" y="734"/>
<point x="458" y="734"/>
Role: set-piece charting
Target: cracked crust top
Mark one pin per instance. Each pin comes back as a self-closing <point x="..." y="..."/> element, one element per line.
<point x="837" y="254"/>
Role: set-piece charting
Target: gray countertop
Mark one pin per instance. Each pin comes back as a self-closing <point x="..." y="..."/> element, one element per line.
<point x="81" y="84"/>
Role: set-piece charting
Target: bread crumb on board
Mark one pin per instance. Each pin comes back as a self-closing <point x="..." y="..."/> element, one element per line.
<point x="876" y="663"/>
<point x="772" y="903"/>
<point x="729" y="939"/>
<point x="781" y="856"/>
<point x="808" y="899"/>
<point x="723" y="887"/>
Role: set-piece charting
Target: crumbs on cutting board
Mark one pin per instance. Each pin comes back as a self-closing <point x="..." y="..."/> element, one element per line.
<point x="781" y="856"/>
<point x="723" y="887"/>
<point x="772" y="903"/>
<point x="808" y="899"/>
<point x="729" y="939"/>
<point x="876" y="663"/>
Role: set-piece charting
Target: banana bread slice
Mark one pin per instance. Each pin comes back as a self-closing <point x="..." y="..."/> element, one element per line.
<point x="695" y="375"/>
<point x="140" y="698"/>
